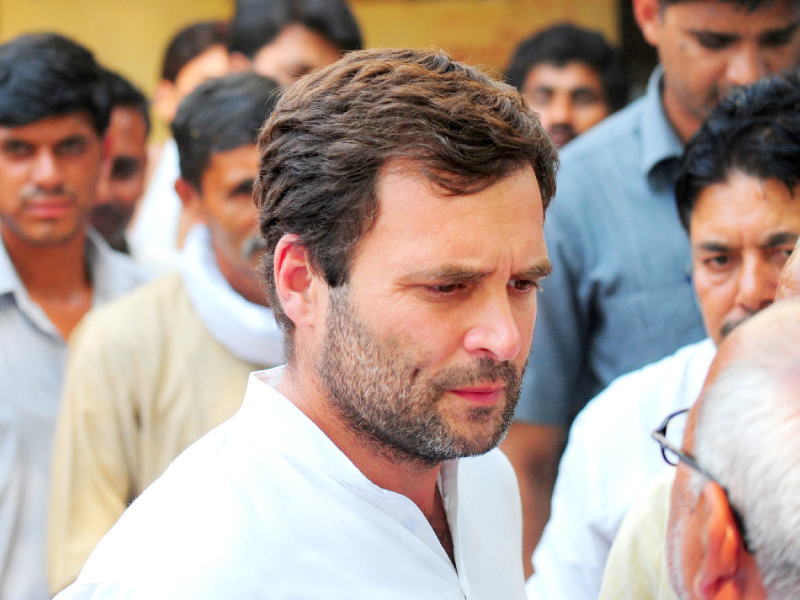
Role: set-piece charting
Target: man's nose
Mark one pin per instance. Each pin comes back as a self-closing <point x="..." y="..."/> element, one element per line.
<point x="495" y="331"/>
<point x="758" y="282"/>
<point x="561" y="110"/>
<point x="745" y="66"/>
<point x="46" y="172"/>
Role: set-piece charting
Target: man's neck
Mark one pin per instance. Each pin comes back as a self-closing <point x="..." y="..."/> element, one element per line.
<point x="683" y="121"/>
<point x="55" y="277"/>
<point x="387" y="469"/>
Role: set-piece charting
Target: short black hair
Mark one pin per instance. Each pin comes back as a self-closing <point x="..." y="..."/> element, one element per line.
<point x="564" y="43"/>
<point x="256" y="23"/>
<point x="755" y="130"/>
<point x="123" y="93"/>
<point x="48" y="75"/>
<point x="219" y="115"/>
<point x="189" y="43"/>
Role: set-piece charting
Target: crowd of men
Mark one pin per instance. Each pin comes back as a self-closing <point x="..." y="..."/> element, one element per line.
<point x="375" y="323"/>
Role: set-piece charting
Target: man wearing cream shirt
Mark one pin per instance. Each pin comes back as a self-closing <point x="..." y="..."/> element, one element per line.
<point x="151" y="374"/>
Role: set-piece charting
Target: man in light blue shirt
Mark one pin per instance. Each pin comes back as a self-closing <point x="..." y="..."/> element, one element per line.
<point x="620" y="296"/>
<point x="53" y="114"/>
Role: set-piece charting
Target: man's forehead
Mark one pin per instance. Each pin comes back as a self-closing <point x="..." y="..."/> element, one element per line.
<point x="55" y="126"/>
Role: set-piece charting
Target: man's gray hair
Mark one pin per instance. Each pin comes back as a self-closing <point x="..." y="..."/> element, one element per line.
<point x="748" y="436"/>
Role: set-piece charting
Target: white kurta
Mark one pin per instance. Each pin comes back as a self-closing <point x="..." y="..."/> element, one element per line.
<point x="609" y="460"/>
<point x="266" y="506"/>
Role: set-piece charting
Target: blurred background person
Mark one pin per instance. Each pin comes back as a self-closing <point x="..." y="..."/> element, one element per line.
<point x="122" y="182"/>
<point x="571" y="76"/>
<point x="54" y="111"/>
<point x="285" y="39"/>
<point x="160" y="368"/>
<point x="197" y="53"/>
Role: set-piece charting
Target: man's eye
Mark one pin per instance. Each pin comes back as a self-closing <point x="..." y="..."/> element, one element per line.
<point x="124" y="168"/>
<point x="16" y="148"/>
<point x="781" y="255"/>
<point x="713" y="41"/>
<point x="718" y="262"/>
<point x="540" y="97"/>
<point x="71" y="146"/>
<point x="447" y="288"/>
<point x="524" y="285"/>
<point x="585" y="98"/>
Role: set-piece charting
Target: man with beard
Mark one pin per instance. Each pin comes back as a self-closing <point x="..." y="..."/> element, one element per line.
<point x="401" y="197"/>
<point x="53" y="269"/>
<point x="738" y="195"/>
<point x="122" y="183"/>
<point x="151" y="374"/>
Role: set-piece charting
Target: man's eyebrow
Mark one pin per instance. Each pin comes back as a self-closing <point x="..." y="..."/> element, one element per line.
<point x="782" y="238"/>
<point x="787" y="31"/>
<point x="719" y="35"/>
<point x="449" y="273"/>
<point x="536" y="272"/>
<point x="713" y="247"/>
<point x="245" y="186"/>
<point x="458" y="274"/>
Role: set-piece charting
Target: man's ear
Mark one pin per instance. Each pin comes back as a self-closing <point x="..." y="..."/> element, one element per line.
<point x="648" y="16"/>
<point x="190" y="199"/>
<point x="722" y="546"/>
<point x="296" y="283"/>
<point x="165" y="103"/>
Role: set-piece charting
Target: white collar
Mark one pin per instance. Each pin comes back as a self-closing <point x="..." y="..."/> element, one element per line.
<point x="246" y="330"/>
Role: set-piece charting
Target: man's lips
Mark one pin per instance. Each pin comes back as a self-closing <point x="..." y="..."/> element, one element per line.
<point x="481" y="394"/>
<point x="49" y="208"/>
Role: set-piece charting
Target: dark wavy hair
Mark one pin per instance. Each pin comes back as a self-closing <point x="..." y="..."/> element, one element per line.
<point x="755" y="130"/>
<point x="324" y="146"/>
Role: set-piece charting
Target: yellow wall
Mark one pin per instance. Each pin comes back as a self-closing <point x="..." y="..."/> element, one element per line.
<point x="482" y="32"/>
<point x="130" y="35"/>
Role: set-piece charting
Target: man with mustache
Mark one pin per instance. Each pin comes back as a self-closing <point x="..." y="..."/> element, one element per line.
<point x="738" y="197"/>
<point x="619" y="297"/>
<point x="151" y="374"/>
<point x="122" y="184"/>
<point x="54" y="112"/>
<point x="401" y="196"/>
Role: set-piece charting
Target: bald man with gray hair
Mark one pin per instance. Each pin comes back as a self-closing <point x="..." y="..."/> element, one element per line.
<point x="733" y="527"/>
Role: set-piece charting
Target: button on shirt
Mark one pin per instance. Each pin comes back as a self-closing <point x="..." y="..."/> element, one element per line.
<point x="619" y="296"/>
<point x="32" y="356"/>
<point x="267" y="506"/>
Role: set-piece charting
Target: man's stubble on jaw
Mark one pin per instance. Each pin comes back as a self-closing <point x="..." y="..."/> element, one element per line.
<point x="379" y="389"/>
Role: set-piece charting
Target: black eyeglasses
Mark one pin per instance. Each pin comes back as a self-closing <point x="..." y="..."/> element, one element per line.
<point x="673" y="454"/>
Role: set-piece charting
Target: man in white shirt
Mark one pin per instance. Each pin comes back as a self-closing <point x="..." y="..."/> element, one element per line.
<point x="53" y="268"/>
<point x="402" y="198"/>
<point x="737" y="196"/>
